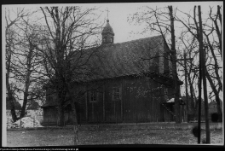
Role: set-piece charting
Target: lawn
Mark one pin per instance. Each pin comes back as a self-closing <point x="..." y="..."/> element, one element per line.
<point x="63" y="137"/>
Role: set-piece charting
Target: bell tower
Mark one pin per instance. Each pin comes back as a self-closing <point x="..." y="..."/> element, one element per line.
<point x="107" y="33"/>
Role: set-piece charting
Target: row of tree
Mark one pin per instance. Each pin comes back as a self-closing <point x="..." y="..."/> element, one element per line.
<point x="181" y="32"/>
<point x="39" y="45"/>
<point x="200" y="40"/>
<point x="38" y="51"/>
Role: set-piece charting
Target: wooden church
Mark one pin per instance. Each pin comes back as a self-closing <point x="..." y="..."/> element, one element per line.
<point x="130" y="82"/>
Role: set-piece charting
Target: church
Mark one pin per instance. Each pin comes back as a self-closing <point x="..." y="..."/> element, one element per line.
<point x="130" y="83"/>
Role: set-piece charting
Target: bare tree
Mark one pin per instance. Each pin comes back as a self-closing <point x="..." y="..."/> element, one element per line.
<point x="212" y="44"/>
<point x="9" y="85"/>
<point x="174" y="65"/>
<point x="211" y="29"/>
<point x="26" y="66"/>
<point x="68" y="35"/>
<point x="13" y="41"/>
<point x="213" y="72"/>
<point x="161" y="20"/>
<point x="190" y="54"/>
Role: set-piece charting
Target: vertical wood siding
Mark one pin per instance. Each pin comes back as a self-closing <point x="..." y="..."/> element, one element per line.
<point x="140" y="101"/>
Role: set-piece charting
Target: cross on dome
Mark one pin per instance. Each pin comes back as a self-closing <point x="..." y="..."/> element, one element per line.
<point x="107" y="32"/>
<point x="107" y="15"/>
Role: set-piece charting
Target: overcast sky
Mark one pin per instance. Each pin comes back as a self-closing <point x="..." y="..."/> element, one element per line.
<point x="118" y="13"/>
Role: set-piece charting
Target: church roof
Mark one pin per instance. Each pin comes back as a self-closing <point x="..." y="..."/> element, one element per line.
<point x="109" y="61"/>
<point x="120" y="59"/>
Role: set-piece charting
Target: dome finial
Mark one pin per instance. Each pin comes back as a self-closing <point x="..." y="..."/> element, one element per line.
<point x="107" y="15"/>
<point x="107" y="32"/>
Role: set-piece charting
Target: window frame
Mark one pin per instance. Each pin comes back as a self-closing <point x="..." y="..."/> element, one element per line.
<point x="116" y="93"/>
<point x="95" y="97"/>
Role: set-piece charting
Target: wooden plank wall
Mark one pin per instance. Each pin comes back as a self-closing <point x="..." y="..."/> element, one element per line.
<point x="140" y="102"/>
<point x="50" y="115"/>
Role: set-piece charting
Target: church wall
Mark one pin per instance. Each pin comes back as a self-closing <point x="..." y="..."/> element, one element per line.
<point x="140" y="101"/>
<point x="50" y="115"/>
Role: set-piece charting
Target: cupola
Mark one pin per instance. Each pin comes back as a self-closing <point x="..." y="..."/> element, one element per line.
<point x="107" y="34"/>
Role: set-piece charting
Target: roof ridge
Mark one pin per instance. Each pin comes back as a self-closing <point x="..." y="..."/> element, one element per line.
<point x="137" y="40"/>
<point x="121" y="43"/>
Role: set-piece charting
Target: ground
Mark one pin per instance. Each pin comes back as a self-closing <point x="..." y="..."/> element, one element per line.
<point x="107" y="135"/>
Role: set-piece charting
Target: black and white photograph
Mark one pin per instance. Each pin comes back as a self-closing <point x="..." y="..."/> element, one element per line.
<point x="109" y="74"/>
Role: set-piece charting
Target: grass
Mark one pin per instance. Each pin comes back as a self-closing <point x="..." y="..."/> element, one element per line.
<point x="64" y="137"/>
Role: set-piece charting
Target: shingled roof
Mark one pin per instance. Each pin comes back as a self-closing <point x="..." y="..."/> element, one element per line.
<point x="120" y="59"/>
<point x="109" y="61"/>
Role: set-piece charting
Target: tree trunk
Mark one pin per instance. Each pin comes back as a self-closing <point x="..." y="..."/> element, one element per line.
<point x="192" y="107"/>
<point x="61" y="118"/>
<point x="202" y="53"/>
<point x="200" y="79"/>
<point x="61" y="113"/>
<point x="9" y="90"/>
<point x="11" y="99"/>
<point x="60" y="105"/>
<point x="193" y="103"/>
<point x="216" y="62"/>
<point x="219" y="14"/>
<point x="186" y="88"/>
<point x="27" y="82"/>
<point x="191" y="93"/>
<point x="199" y="98"/>
<point x="75" y="126"/>
<point x="23" y="110"/>
<point x="217" y="77"/>
<point x="218" y="100"/>
<point x="13" y="111"/>
<point x="174" y="67"/>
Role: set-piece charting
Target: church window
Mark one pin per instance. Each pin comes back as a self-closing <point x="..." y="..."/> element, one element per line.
<point x="116" y="93"/>
<point x="93" y="96"/>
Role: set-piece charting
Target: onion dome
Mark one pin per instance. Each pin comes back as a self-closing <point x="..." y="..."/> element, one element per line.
<point x="108" y="29"/>
<point x="107" y="34"/>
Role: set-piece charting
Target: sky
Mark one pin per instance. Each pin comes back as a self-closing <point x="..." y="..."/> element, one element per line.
<point x="118" y="13"/>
